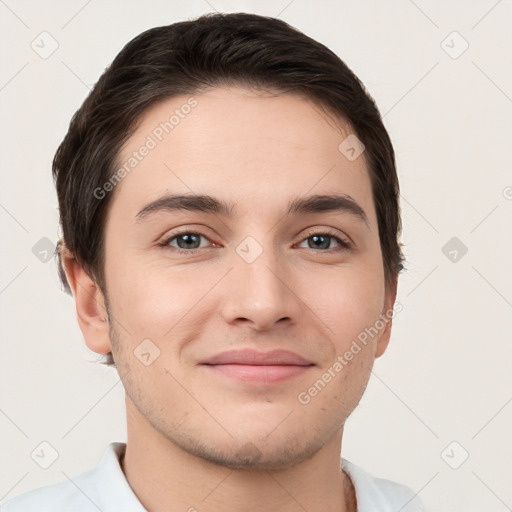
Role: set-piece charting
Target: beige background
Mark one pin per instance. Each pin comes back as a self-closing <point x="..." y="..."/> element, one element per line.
<point x="447" y="373"/>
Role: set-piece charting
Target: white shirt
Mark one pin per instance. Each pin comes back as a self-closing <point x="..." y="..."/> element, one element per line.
<point x="105" y="488"/>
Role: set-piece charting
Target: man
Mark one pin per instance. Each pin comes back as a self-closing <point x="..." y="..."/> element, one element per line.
<point x="229" y="204"/>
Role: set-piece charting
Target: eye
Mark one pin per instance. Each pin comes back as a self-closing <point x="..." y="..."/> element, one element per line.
<point x="187" y="242"/>
<point x="322" y="240"/>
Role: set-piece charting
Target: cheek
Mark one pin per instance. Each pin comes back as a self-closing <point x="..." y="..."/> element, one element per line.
<point x="352" y="304"/>
<point x="349" y="384"/>
<point x="338" y="388"/>
<point x="157" y="302"/>
<point x="138" y="296"/>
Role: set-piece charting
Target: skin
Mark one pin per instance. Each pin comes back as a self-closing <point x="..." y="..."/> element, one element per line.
<point x="196" y="438"/>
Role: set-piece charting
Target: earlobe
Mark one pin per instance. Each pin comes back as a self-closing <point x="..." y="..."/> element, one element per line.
<point x="383" y="342"/>
<point x="90" y="304"/>
<point x="386" y="317"/>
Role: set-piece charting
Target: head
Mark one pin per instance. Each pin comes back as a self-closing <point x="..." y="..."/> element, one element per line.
<point x="259" y="126"/>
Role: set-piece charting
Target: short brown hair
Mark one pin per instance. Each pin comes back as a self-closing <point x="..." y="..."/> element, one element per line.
<point x="190" y="57"/>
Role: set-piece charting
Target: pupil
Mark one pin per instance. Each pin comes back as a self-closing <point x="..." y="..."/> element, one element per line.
<point x="325" y="244"/>
<point x="189" y="238"/>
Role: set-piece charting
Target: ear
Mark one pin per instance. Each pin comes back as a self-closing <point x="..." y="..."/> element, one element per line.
<point x="386" y="316"/>
<point x="90" y="304"/>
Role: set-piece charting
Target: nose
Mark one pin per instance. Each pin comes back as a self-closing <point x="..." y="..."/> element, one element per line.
<point x="261" y="293"/>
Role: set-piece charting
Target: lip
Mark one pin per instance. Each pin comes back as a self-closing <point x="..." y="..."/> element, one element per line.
<point x="258" y="367"/>
<point x="255" y="358"/>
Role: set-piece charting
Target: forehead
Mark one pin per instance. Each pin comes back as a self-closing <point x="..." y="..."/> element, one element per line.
<point x="248" y="148"/>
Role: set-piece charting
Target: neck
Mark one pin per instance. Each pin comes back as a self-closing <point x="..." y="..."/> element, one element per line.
<point x="164" y="477"/>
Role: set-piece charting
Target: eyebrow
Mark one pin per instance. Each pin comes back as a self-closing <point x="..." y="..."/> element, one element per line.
<point x="210" y="205"/>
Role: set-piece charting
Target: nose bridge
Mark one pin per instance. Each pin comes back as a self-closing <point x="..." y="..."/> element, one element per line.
<point x="259" y="287"/>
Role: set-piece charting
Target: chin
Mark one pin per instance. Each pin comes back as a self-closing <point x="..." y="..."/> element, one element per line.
<point x="255" y="455"/>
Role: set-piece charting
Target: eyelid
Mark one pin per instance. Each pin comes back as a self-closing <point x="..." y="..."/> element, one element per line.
<point x="182" y="231"/>
<point x="345" y="243"/>
<point x="344" y="239"/>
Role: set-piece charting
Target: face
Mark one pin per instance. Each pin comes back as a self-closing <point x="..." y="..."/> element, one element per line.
<point x="227" y="322"/>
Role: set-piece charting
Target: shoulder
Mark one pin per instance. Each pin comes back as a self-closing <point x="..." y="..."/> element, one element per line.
<point x="387" y="495"/>
<point x="59" y="497"/>
<point x="102" y="488"/>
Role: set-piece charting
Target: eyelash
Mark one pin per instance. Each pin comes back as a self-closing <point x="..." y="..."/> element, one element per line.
<point x="344" y="244"/>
